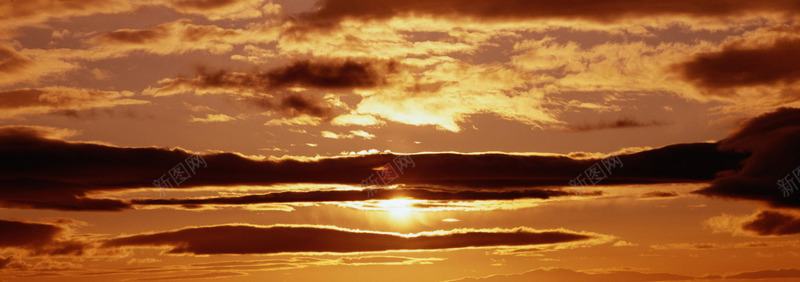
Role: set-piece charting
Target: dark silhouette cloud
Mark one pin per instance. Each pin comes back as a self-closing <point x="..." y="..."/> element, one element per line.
<point x="736" y="66"/>
<point x="659" y="194"/>
<point x="767" y="274"/>
<point x="347" y="74"/>
<point x="141" y="36"/>
<point x="37" y="238"/>
<point x="202" y="4"/>
<point x="6" y="262"/>
<point x="771" y="141"/>
<point x="315" y="74"/>
<point x="293" y="105"/>
<point x="624" y="122"/>
<point x="21" y="234"/>
<point x="57" y="195"/>
<point x="38" y="172"/>
<point x="269" y="89"/>
<point x="773" y="223"/>
<point x="342" y="196"/>
<point x="242" y="239"/>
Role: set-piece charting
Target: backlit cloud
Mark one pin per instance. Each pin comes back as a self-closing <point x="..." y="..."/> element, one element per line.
<point x="343" y="74"/>
<point x="248" y="239"/>
<point x="32" y="163"/>
<point x="357" y="195"/>
<point x="225" y="9"/>
<point x="746" y="66"/>
<point x="38" y="238"/>
<point x="762" y="223"/>
<point x="771" y="140"/>
<point x="608" y="11"/>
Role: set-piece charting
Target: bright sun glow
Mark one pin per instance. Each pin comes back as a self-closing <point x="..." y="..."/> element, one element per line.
<point x="398" y="208"/>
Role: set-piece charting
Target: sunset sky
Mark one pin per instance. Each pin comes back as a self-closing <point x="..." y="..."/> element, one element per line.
<point x="413" y="140"/>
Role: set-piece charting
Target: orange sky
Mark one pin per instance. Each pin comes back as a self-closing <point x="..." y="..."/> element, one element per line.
<point x="471" y="121"/>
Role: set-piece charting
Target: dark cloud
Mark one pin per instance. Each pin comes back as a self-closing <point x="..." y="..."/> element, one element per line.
<point x="561" y="274"/>
<point x="773" y="223"/>
<point x="37" y="238"/>
<point x="605" y="11"/>
<point x="659" y="194"/>
<point x="767" y="274"/>
<point x="240" y="239"/>
<point x="202" y="4"/>
<point x="343" y="196"/>
<point x="38" y="172"/>
<point x="5" y="262"/>
<point x="269" y="89"/>
<point x="624" y="122"/>
<point x="22" y="234"/>
<point x="142" y="36"/>
<point x="736" y="66"/>
<point x="57" y="195"/>
<point x="293" y="105"/>
<point x="11" y="61"/>
<point x="348" y="74"/>
<point x="317" y="74"/>
<point x="23" y="98"/>
<point x="771" y="140"/>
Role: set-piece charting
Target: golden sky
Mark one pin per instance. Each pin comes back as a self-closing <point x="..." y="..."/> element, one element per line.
<point x="378" y="140"/>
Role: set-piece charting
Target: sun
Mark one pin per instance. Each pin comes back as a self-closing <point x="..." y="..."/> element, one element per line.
<point x="398" y="208"/>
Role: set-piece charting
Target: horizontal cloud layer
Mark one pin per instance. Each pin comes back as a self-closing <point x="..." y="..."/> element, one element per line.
<point x="245" y="239"/>
<point x="60" y="100"/>
<point x="335" y="10"/>
<point x="21" y="13"/>
<point x="37" y="172"/>
<point x="625" y="122"/>
<point x="561" y="274"/>
<point x="343" y="196"/>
